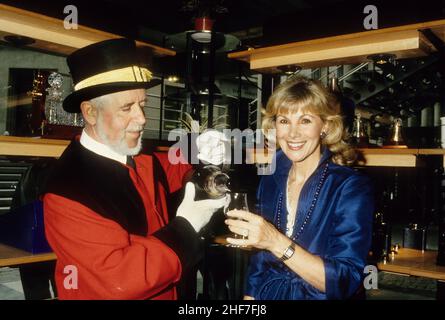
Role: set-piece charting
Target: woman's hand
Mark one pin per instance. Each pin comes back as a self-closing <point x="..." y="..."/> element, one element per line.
<point x="263" y="235"/>
<point x="258" y="232"/>
<point x="248" y="298"/>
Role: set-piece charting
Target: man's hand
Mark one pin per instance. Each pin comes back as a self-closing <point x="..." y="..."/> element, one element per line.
<point x="198" y="213"/>
<point x="211" y="147"/>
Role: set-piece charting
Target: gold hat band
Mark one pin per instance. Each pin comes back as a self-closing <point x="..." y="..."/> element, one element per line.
<point x="128" y="74"/>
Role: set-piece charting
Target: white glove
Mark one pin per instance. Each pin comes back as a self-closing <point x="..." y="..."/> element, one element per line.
<point x="211" y="147"/>
<point x="198" y="213"/>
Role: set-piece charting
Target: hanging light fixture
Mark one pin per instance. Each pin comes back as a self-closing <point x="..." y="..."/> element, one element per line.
<point x="201" y="44"/>
<point x="203" y="30"/>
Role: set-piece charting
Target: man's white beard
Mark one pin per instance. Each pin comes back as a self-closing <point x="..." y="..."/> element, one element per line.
<point x="120" y="146"/>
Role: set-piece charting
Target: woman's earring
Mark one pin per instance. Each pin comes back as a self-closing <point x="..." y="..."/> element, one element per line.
<point x="322" y="135"/>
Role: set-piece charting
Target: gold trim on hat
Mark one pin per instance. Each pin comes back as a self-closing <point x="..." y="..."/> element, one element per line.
<point x="127" y="74"/>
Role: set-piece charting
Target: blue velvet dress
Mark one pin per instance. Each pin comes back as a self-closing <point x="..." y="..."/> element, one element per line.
<point x="333" y="221"/>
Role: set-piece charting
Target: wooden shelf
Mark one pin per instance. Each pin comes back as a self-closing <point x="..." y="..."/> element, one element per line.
<point x="50" y="34"/>
<point x="374" y="157"/>
<point x="37" y="147"/>
<point x="403" y="41"/>
<point x="21" y="146"/>
<point x="414" y="263"/>
<point x="381" y="157"/>
<point x="10" y="256"/>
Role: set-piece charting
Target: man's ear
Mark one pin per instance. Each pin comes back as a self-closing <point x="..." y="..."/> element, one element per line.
<point x="89" y="112"/>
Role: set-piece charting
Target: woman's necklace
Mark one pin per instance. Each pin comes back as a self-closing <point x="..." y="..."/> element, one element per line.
<point x="291" y="210"/>
<point x="309" y="212"/>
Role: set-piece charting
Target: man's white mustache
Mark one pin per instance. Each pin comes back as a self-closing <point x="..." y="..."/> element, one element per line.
<point x="135" y="129"/>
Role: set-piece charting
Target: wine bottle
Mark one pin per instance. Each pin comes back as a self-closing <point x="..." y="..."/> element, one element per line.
<point x="381" y="238"/>
<point x="441" y="236"/>
<point x="441" y="244"/>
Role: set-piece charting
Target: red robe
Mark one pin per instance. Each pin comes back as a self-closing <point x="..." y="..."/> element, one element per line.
<point x="109" y="261"/>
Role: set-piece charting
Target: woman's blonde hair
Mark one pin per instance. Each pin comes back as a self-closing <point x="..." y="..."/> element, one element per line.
<point x="310" y="96"/>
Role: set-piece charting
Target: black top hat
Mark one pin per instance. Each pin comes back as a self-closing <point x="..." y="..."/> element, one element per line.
<point x="105" y="67"/>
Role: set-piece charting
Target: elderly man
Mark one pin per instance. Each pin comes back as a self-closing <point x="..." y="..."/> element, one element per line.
<point x="106" y="212"/>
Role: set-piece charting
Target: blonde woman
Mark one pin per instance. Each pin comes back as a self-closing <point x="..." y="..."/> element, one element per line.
<point x="315" y="214"/>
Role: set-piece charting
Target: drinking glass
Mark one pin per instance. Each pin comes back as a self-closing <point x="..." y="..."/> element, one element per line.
<point x="238" y="201"/>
